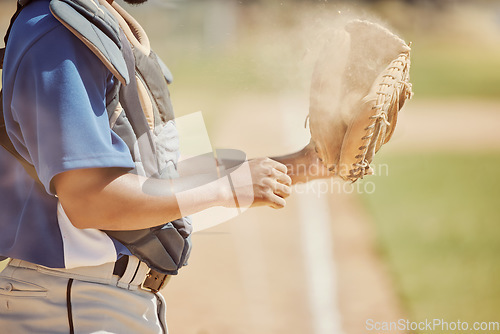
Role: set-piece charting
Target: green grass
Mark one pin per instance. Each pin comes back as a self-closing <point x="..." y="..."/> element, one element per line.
<point x="453" y="70"/>
<point x="438" y="222"/>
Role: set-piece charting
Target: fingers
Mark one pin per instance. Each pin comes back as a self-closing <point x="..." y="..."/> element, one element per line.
<point x="278" y="171"/>
<point x="278" y="166"/>
<point x="271" y="183"/>
<point x="283" y="178"/>
<point x="275" y="201"/>
<point x="280" y="189"/>
<point x="270" y="164"/>
<point x="279" y="183"/>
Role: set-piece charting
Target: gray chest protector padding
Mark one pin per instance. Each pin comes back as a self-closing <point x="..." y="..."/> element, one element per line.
<point x="95" y="27"/>
<point x="164" y="248"/>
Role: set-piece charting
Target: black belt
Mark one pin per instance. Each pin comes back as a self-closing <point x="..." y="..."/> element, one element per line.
<point x="154" y="280"/>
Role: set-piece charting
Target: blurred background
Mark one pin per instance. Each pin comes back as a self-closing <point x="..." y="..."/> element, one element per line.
<point x="418" y="241"/>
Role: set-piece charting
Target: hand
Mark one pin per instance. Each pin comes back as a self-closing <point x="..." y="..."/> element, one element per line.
<point x="260" y="182"/>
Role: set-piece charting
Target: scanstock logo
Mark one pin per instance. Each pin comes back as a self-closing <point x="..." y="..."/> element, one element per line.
<point x="185" y="151"/>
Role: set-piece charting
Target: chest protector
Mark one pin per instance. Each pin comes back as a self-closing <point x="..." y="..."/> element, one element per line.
<point x="139" y="111"/>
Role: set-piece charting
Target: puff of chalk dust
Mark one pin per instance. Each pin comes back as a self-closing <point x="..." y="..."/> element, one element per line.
<point x="353" y="59"/>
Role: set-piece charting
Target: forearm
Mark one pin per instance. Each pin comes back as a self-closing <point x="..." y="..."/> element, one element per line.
<point x="296" y="166"/>
<point x="113" y="199"/>
<point x="116" y="200"/>
<point x="303" y="165"/>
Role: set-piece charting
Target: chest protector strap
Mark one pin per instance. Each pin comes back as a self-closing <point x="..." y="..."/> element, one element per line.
<point x="95" y="27"/>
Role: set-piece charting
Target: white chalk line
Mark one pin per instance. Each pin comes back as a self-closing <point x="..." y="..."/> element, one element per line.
<point x="317" y="243"/>
<point x="321" y="275"/>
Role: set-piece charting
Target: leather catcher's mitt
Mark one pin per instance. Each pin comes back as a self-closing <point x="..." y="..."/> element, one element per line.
<point x="359" y="84"/>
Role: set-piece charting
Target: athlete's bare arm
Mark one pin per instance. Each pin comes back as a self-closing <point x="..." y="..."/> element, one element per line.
<point x="304" y="165"/>
<point x="113" y="199"/>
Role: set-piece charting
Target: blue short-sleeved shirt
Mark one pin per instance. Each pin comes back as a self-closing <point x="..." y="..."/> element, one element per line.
<point x="54" y="100"/>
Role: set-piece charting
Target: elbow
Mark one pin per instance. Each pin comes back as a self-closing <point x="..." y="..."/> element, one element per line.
<point x="82" y="224"/>
<point x="90" y="214"/>
<point x="83" y="199"/>
<point x="79" y="213"/>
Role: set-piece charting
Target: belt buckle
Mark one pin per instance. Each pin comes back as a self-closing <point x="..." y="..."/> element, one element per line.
<point x="155" y="281"/>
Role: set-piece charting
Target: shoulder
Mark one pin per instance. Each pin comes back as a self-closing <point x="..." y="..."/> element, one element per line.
<point x="33" y="23"/>
<point x="39" y="39"/>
